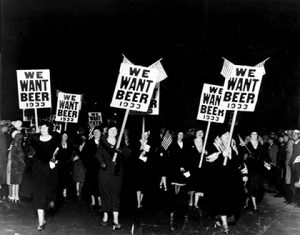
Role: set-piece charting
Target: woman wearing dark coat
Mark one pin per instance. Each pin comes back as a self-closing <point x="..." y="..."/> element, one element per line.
<point x="197" y="182"/>
<point x="255" y="164"/>
<point x="44" y="171"/>
<point x="64" y="166"/>
<point x="178" y="178"/>
<point x="15" y="165"/>
<point x="143" y="167"/>
<point x="225" y="180"/>
<point x="89" y="160"/>
<point x="110" y="175"/>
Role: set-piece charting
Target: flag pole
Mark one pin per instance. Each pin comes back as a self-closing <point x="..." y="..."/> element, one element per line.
<point x="36" y="119"/>
<point x="230" y="134"/>
<point x="204" y="144"/>
<point x="143" y="125"/>
<point x="121" y="134"/>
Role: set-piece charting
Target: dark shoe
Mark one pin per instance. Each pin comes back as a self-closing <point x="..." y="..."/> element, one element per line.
<point x="226" y="230"/>
<point x="116" y="226"/>
<point x="255" y="211"/>
<point x="41" y="227"/>
<point x="104" y="223"/>
<point x="278" y="195"/>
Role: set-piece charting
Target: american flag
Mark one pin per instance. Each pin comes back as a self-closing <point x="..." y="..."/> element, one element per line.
<point x="91" y="135"/>
<point x="125" y="60"/>
<point x="162" y="75"/>
<point x="167" y="140"/>
<point x="262" y="64"/>
<point x="227" y="68"/>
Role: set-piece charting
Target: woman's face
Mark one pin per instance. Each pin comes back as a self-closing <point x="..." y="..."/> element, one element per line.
<point x="44" y="130"/>
<point x="254" y="135"/>
<point x="64" y="137"/>
<point x="112" y="132"/>
<point x="180" y="136"/>
<point x="199" y="134"/>
<point x="97" y="134"/>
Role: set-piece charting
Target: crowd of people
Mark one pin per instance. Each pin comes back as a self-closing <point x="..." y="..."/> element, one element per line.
<point x="217" y="180"/>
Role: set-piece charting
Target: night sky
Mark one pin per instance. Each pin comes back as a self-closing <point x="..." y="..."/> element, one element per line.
<point x="82" y="43"/>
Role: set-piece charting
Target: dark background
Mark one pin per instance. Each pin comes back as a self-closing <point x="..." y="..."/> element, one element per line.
<point x="82" y="41"/>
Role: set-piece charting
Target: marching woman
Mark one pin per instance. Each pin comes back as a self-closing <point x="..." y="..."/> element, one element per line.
<point x="110" y="175"/>
<point x="44" y="174"/>
<point x="78" y="167"/>
<point x="63" y="156"/>
<point x="178" y="177"/>
<point x="89" y="160"/>
<point x="142" y="167"/>
<point x="197" y="181"/>
<point x="255" y="164"/>
<point x="16" y="164"/>
<point x="225" y="189"/>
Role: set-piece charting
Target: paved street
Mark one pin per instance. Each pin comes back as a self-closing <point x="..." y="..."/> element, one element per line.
<point x="73" y="218"/>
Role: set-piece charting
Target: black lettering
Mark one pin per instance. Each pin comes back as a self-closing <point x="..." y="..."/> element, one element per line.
<point x="251" y="73"/>
<point x="213" y="89"/>
<point x="29" y="74"/>
<point x="124" y="82"/>
<point x="120" y="94"/>
<point x="134" y="71"/>
<point x="231" y="83"/>
<point x="135" y="97"/>
<point x="240" y="71"/>
<point x="145" y="73"/>
<point x="227" y="96"/>
<point x="144" y="98"/>
<point x="128" y="95"/>
<point x="250" y="98"/>
<point x="23" y="97"/>
<point x="24" y="85"/>
<point x="153" y="103"/>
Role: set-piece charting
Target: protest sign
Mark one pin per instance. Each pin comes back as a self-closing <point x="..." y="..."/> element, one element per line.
<point x="154" y="103"/>
<point x="68" y="107"/>
<point x="241" y="88"/>
<point x="134" y="87"/>
<point x="95" y="118"/>
<point x="209" y="108"/>
<point x="34" y="90"/>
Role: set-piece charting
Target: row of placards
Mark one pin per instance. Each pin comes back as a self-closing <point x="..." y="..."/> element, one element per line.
<point x="240" y="93"/>
<point x="137" y="89"/>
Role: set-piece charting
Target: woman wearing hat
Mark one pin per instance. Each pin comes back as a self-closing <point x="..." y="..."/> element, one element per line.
<point x="197" y="183"/>
<point x="110" y="175"/>
<point x="92" y="168"/>
<point x="225" y="187"/>
<point x="15" y="165"/>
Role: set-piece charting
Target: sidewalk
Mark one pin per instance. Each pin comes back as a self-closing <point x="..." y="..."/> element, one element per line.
<point x="74" y="218"/>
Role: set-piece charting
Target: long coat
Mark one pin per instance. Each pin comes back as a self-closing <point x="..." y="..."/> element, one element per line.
<point x="225" y="189"/>
<point x="3" y="156"/>
<point x="16" y="156"/>
<point x="110" y="175"/>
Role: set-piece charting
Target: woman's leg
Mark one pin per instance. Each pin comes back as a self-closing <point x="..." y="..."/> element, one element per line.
<point x="139" y="197"/>
<point x="254" y="203"/>
<point x="105" y="217"/>
<point x="225" y="224"/>
<point x="41" y="219"/>
<point x="17" y="189"/>
<point x="116" y="224"/>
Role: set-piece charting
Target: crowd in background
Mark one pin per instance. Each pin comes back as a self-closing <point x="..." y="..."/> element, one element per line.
<point x="163" y="168"/>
